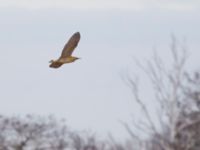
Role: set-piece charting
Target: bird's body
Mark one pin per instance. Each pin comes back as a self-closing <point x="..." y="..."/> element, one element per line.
<point x="59" y="62"/>
<point x="67" y="52"/>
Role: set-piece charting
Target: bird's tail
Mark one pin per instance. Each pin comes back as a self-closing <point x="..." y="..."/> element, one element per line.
<point x="55" y="65"/>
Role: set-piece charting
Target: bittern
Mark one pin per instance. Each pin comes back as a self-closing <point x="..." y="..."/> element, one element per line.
<point x="66" y="56"/>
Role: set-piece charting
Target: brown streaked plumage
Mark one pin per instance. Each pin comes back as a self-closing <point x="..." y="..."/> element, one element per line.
<point x="67" y="52"/>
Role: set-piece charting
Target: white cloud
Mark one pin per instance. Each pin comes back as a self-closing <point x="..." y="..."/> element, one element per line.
<point x="179" y="5"/>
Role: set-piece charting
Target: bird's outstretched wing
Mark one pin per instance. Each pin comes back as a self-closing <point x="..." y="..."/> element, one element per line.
<point x="71" y="45"/>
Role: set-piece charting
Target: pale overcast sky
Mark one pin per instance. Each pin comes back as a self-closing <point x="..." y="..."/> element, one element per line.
<point x="104" y="4"/>
<point x="89" y="93"/>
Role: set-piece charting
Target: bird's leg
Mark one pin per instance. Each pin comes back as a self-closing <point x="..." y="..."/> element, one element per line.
<point x="51" y="61"/>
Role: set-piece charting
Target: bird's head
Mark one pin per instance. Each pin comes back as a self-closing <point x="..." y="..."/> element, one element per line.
<point x="76" y="58"/>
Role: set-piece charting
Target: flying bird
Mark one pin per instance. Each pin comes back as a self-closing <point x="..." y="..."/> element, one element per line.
<point x="66" y="56"/>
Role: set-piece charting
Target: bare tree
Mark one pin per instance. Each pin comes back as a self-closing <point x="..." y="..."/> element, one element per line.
<point x="47" y="133"/>
<point x="177" y="97"/>
<point x="32" y="133"/>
